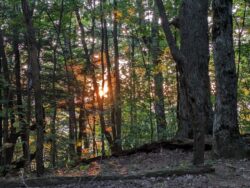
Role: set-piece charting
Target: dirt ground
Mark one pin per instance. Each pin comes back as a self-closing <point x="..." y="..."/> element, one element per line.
<point x="228" y="173"/>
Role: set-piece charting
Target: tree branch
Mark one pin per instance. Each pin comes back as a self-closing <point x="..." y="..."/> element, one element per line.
<point x="175" y="52"/>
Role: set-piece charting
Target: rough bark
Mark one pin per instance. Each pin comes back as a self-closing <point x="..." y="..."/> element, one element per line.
<point x="1" y="116"/>
<point x="194" y="46"/>
<point x="115" y="143"/>
<point x="227" y="141"/>
<point x="158" y="79"/>
<point x="22" y="124"/>
<point x="9" y="131"/>
<point x="82" y="135"/>
<point x="194" y="35"/>
<point x="184" y="117"/>
<point x="117" y="98"/>
<point x="54" y="104"/>
<point x="36" y="84"/>
<point x="6" y="94"/>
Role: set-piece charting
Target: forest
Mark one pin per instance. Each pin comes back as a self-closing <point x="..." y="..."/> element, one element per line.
<point x="128" y="93"/>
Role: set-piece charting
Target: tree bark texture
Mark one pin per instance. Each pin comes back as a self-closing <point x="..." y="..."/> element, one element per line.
<point x="117" y="97"/>
<point x="19" y="101"/>
<point x="36" y="84"/>
<point x="1" y="116"/>
<point x="227" y="142"/>
<point x="158" y="79"/>
<point x="192" y="61"/>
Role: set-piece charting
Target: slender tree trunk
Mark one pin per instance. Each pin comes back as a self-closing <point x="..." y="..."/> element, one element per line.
<point x="72" y="123"/>
<point x="58" y="42"/>
<point x="133" y="99"/>
<point x="10" y="136"/>
<point x="54" y="103"/>
<point x="71" y="98"/>
<point x="6" y="94"/>
<point x="33" y="60"/>
<point x="20" y="109"/>
<point x="82" y="134"/>
<point x="158" y="79"/>
<point x="1" y="116"/>
<point x="103" y="78"/>
<point x="114" y="146"/>
<point x="227" y="141"/>
<point x="117" y="102"/>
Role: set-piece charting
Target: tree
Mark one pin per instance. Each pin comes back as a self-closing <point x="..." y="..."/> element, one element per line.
<point x="36" y="84"/>
<point x="117" y="97"/>
<point x="192" y="60"/>
<point x="19" y="102"/>
<point x="158" y="78"/>
<point x="194" y="46"/>
<point x="227" y="140"/>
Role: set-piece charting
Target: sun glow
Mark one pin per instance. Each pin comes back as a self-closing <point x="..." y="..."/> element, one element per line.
<point x="103" y="91"/>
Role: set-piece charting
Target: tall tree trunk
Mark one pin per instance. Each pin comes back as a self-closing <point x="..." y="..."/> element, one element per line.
<point x="185" y="129"/>
<point x="105" y="38"/>
<point x="117" y="99"/>
<point x="36" y="84"/>
<point x="133" y="106"/>
<point x="194" y="30"/>
<point x="81" y="132"/>
<point x="10" y="136"/>
<point x="1" y="116"/>
<point x="54" y="103"/>
<point x="82" y="135"/>
<point x="20" y="109"/>
<point x="6" y="94"/>
<point x="72" y="116"/>
<point x="158" y="79"/>
<point x="227" y="142"/>
<point x="71" y="96"/>
<point x="194" y="46"/>
<point x="194" y="41"/>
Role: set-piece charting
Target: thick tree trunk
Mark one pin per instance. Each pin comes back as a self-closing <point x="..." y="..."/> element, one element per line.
<point x="227" y="142"/>
<point x="194" y="46"/>
<point x="36" y="84"/>
<point x="158" y="79"/>
<point x="194" y="30"/>
<point x="185" y="129"/>
<point x="194" y="41"/>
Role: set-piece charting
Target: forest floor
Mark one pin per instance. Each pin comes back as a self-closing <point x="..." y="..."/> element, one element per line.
<point x="228" y="173"/>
